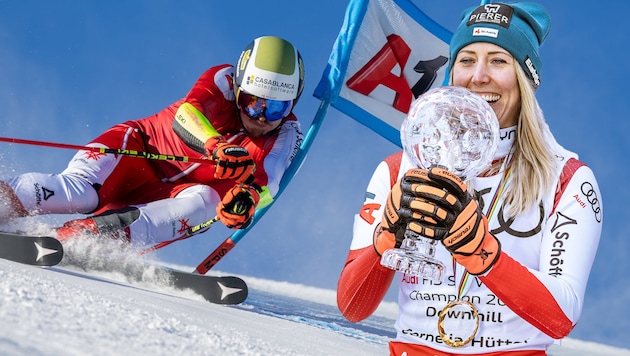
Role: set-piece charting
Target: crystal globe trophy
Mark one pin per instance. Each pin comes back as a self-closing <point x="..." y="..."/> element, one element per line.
<point x="455" y="129"/>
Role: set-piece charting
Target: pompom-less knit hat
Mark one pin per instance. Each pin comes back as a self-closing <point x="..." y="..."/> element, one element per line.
<point x="519" y="28"/>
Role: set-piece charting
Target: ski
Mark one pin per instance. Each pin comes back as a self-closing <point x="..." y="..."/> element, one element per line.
<point x="229" y="290"/>
<point x="215" y="289"/>
<point x="48" y="251"/>
<point x="32" y="250"/>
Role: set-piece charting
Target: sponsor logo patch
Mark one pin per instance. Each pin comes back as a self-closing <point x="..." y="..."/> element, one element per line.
<point x="496" y="14"/>
<point x="485" y="31"/>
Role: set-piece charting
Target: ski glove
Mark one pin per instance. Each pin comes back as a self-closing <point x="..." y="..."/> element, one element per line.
<point x="232" y="161"/>
<point x="402" y="208"/>
<point x="237" y="208"/>
<point x="452" y="216"/>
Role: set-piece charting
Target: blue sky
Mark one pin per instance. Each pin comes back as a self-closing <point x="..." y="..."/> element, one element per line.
<point x="71" y="69"/>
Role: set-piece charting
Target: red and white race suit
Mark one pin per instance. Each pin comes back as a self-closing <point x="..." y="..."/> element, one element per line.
<point x="171" y="195"/>
<point x="532" y="296"/>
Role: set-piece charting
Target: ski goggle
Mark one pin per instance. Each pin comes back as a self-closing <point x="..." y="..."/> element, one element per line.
<point x="256" y="107"/>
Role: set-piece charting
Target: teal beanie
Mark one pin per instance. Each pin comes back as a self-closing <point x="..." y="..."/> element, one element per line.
<point x="519" y="28"/>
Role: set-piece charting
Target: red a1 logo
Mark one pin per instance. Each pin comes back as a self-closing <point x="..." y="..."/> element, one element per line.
<point x="378" y="71"/>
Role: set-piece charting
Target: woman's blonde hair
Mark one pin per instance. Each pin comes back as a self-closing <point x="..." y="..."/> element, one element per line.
<point x="533" y="163"/>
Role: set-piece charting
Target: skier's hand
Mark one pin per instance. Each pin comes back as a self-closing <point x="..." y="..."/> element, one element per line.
<point x="452" y="216"/>
<point x="402" y="207"/>
<point x="232" y="161"/>
<point x="237" y="208"/>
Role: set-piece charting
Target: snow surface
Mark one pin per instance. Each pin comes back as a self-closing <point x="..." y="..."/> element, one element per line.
<point x="80" y="308"/>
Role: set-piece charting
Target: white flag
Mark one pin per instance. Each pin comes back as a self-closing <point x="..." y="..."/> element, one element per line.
<point x="388" y="53"/>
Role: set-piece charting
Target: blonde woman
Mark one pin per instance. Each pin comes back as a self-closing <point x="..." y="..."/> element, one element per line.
<point x="518" y="255"/>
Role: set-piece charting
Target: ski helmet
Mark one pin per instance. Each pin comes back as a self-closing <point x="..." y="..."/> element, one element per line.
<point x="270" y="68"/>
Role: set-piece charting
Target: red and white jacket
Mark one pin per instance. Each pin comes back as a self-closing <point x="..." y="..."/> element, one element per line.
<point x="531" y="296"/>
<point x="213" y="95"/>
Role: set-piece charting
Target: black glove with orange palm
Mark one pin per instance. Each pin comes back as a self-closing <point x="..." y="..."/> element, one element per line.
<point x="232" y="161"/>
<point x="452" y="216"/>
<point x="236" y="210"/>
<point x="402" y="208"/>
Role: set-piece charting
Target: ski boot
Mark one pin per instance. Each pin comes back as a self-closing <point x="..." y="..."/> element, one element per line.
<point x="89" y="227"/>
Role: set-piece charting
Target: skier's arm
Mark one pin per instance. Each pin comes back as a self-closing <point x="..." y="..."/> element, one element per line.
<point x="364" y="282"/>
<point x="194" y="128"/>
<point x="195" y="119"/>
<point x="551" y="297"/>
<point x="210" y="95"/>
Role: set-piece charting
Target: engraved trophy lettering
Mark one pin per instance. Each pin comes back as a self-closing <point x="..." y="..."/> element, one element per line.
<point x="449" y="127"/>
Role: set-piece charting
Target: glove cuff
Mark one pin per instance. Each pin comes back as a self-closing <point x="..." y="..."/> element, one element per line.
<point x="212" y="143"/>
<point x="480" y="261"/>
<point x="383" y="240"/>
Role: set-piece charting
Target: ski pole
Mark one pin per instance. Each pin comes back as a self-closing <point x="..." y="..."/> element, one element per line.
<point x="189" y="232"/>
<point x="214" y="257"/>
<point x="228" y="244"/>
<point x="118" y="151"/>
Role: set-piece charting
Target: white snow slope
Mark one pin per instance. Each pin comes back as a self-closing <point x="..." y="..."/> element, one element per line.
<point x="66" y="310"/>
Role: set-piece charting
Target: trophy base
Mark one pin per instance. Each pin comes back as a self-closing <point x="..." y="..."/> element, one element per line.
<point x="414" y="264"/>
